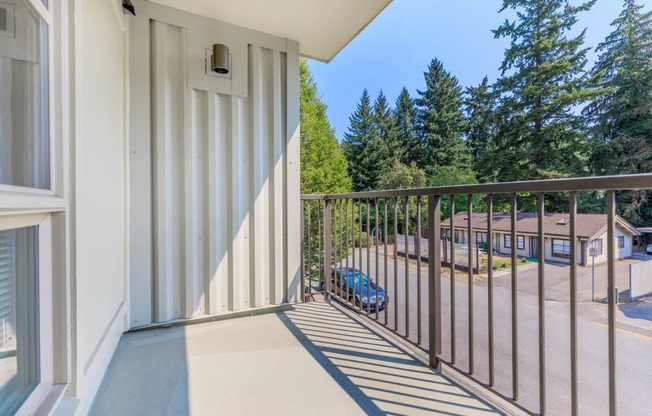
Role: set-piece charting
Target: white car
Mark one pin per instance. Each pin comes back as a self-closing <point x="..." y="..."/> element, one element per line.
<point x="648" y="249"/>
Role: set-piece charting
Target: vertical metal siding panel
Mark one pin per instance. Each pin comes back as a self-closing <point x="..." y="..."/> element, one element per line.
<point x="216" y="196"/>
<point x="168" y="70"/>
<point x="293" y="201"/>
<point x="277" y="174"/>
<point x="239" y="279"/>
<point x="140" y="177"/>
<point x="222" y="195"/>
<point x="193" y="276"/>
<point x="163" y="258"/>
<point x="259" y="152"/>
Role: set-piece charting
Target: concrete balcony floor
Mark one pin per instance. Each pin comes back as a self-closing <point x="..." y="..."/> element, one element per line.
<point x="312" y="360"/>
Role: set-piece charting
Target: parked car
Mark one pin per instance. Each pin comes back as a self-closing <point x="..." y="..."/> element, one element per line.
<point x="649" y="249"/>
<point x="354" y="283"/>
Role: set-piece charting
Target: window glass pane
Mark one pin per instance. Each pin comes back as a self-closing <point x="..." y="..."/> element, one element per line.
<point x="24" y="108"/>
<point x="19" y="372"/>
<point x="520" y="242"/>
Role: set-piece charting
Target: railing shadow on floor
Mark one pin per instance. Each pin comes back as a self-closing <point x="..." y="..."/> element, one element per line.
<point x="380" y="376"/>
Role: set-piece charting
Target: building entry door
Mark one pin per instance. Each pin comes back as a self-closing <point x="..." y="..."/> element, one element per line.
<point x="534" y="247"/>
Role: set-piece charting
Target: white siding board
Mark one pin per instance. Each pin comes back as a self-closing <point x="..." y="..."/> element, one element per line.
<point x="224" y="177"/>
<point x="260" y="192"/>
<point x="194" y="280"/>
<point x="293" y="213"/>
<point x="168" y="99"/>
<point x="140" y="171"/>
<point x="277" y="191"/>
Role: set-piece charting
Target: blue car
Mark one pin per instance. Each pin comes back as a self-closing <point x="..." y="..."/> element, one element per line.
<point x="355" y="283"/>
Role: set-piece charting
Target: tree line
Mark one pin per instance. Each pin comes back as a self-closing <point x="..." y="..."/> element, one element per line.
<point x="548" y="115"/>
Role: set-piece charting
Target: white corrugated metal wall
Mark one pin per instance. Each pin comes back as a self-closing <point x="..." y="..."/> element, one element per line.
<point x="214" y="169"/>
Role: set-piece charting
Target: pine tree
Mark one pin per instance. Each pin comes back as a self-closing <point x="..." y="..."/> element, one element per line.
<point x="479" y="104"/>
<point x="406" y="120"/>
<point x="323" y="166"/>
<point x="622" y="114"/>
<point x="441" y="121"/>
<point x="542" y="82"/>
<point x="361" y="146"/>
<point x="387" y="131"/>
<point x="623" y="72"/>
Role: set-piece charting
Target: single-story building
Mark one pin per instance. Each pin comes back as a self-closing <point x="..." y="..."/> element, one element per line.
<point x="591" y="233"/>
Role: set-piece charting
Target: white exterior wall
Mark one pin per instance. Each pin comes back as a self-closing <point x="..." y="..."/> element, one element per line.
<point x="98" y="217"/>
<point x="621" y="253"/>
<point x="224" y="181"/>
<point x="226" y="184"/>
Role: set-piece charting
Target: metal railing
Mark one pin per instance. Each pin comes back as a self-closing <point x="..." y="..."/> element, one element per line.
<point x="359" y="231"/>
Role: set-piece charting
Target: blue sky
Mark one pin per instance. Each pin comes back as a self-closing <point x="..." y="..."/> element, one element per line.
<point x="396" y="48"/>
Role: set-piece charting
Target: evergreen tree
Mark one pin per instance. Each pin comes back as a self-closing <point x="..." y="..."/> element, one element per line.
<point x="441" y="121"/>
<point x="622" y="114"/>
<point x="479" y="104"/>
<point x="323" y="166"/>
<point x="361" y="146"/>
<point x="623" y="72"/>
<point x="387" y="130"/>
<point x="406" y="121"/>
<point x="542" y="82"/>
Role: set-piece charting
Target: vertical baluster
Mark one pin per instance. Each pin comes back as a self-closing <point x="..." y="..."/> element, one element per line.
<point x="573" y="301"/>
<point x="490" y="283"/>
<point x="385" y="261"/>
<point x="327" y="248"/>
<point x="452" y="259"/>
<point x="368" y="259"/>
<point x="514" y="219"/>
<point x="360" y="254"/>
<point x="339" y="267"/>
<point x="406" y="233"/>
<point x="302" y="287"/>
<point x="351" y="287"/>
<point x="542" y="309"/>
<point x="320" y="260"/>
<point x="417" y="252"/>
<point x="348" y="243"/>
<point x="434" y="279"/>
<point x="611" y="295"/>
<point x="396" y="264"/>
<point x="309" y="288"/>
<point x="377" y="274"/>
<point x="470" y="278"/>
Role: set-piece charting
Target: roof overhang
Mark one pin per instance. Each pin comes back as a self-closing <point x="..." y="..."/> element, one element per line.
<point x="322" y="27"/>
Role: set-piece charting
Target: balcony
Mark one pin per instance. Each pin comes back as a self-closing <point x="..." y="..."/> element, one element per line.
<point x="312" y="359"/>
<point x="534" y="337"/>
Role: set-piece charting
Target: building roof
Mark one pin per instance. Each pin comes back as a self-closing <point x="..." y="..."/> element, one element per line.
<point x="588" y="226"/>
<point x="322" y="28"/>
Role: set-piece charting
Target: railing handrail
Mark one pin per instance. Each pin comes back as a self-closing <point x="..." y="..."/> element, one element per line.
<point x="592" y="183"/>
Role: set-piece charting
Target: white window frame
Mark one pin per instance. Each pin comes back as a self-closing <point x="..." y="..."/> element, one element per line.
<point x="563" y="243"/>
<point x="520" y="242"/>
<point x="20" y="196"/>
<point x="48" y="209"/>
<point x="620" y="238"/>
<point x="45" y="302"/>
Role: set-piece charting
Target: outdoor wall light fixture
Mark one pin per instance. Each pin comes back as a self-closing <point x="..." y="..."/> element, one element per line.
<point x="220" y="59"/>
